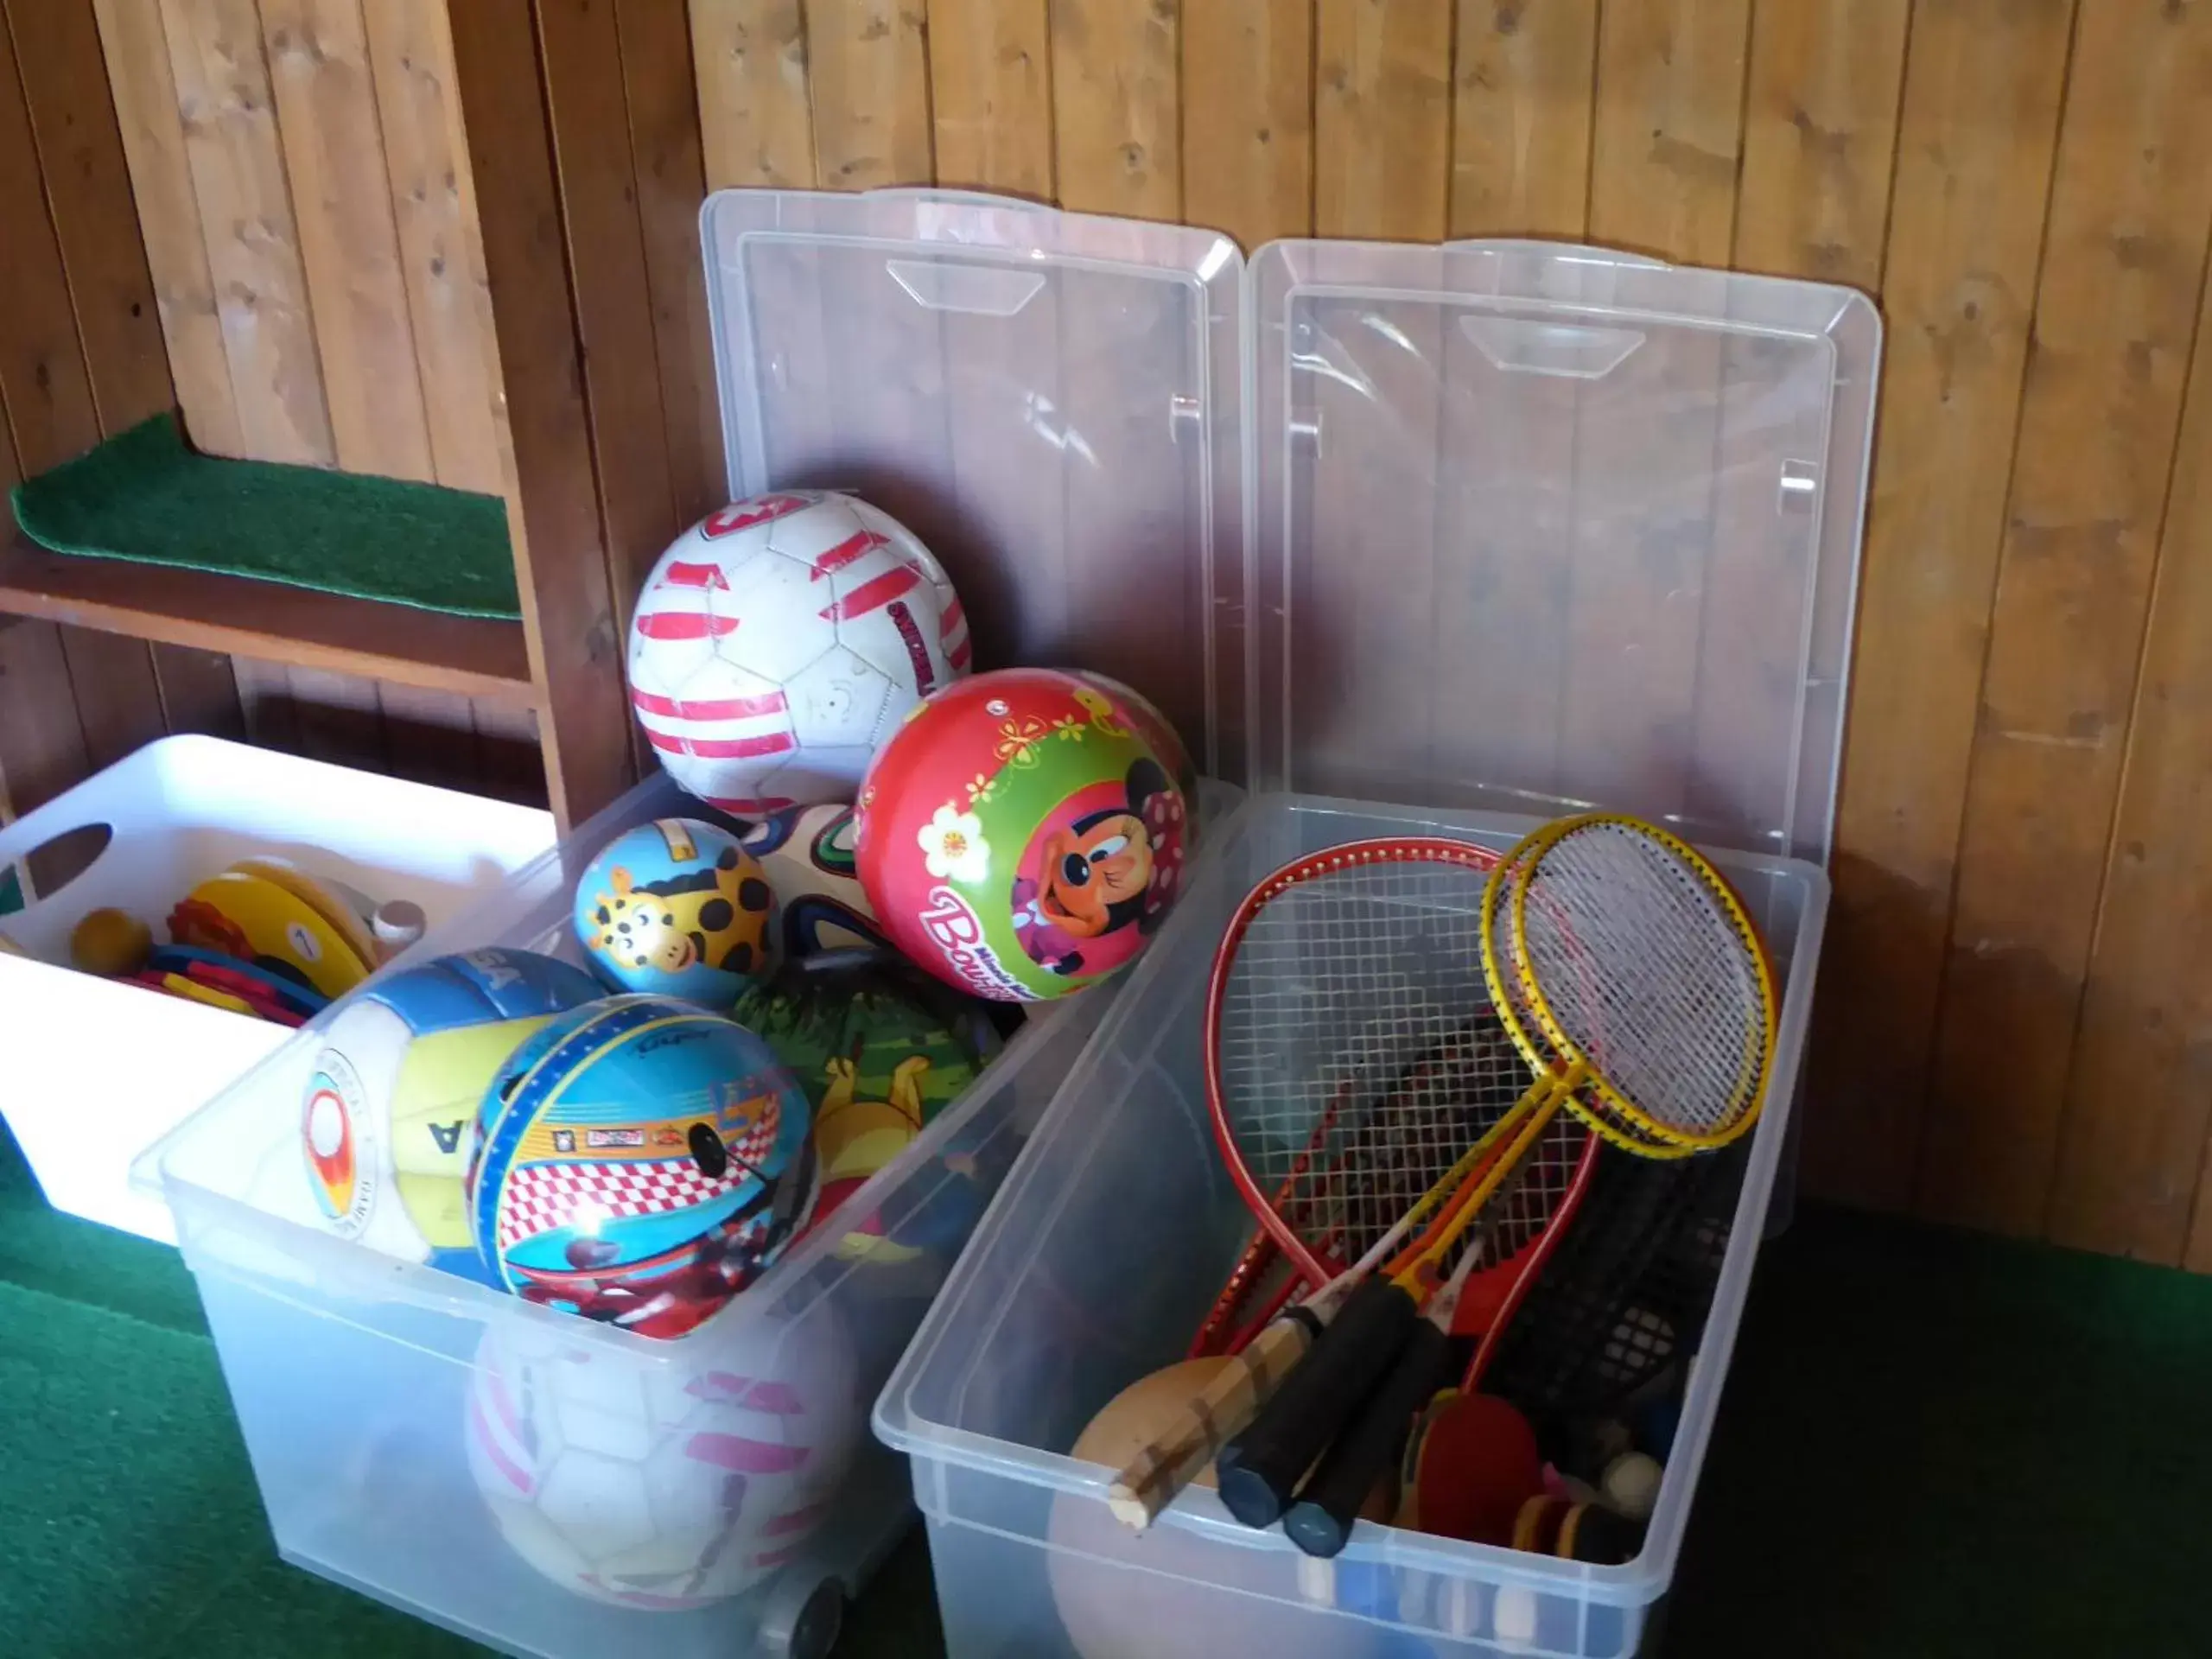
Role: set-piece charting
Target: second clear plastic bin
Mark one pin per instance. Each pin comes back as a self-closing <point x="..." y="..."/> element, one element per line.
<point x="1099" y="1259"/>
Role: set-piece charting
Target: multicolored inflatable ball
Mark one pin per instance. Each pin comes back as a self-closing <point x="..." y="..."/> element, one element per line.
<point x="640" y="1161"/>
<point x="880" y="1050"/>
<point x="676" y="907"/>
<point x="388" y="1118"/>
<point x="807" y="852"/>
<point x="1025" y="832"/>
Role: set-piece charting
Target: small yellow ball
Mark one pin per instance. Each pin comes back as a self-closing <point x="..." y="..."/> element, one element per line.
<point x="110" y="942"/>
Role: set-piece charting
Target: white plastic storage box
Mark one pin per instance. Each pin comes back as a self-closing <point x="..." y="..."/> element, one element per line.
<point x="1534" y="529"/>
<point x="93" y="1070"/>
<point x="376" y="1396"/>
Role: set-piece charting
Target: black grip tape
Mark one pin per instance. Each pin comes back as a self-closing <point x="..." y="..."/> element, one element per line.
<point x="1259" y="1470"/>
<point x="1328" y="1504"/>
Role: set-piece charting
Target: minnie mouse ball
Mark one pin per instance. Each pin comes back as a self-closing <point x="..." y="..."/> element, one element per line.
<point x="1025" y="832"/>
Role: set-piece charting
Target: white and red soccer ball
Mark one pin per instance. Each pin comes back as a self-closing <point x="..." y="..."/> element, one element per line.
<point x="664" y="1487"/>
<point x="780" y="640"/>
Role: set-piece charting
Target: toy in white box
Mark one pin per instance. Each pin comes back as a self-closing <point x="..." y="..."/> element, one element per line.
<point x="93" y="1070"/>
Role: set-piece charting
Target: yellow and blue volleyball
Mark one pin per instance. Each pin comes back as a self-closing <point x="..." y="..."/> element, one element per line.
<point x="388" y="1117"/>
<point x="640" y="1161"/>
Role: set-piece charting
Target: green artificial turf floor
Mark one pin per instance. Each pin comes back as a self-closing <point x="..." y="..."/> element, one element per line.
<point x="1931" y="1443"/>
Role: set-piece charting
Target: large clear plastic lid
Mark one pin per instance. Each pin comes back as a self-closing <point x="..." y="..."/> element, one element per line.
<point x="1050" y="401"/>
<point x="1539" y="527"/>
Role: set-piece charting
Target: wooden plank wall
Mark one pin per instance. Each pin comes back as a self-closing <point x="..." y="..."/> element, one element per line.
<point x="2016" y="1020"/>
<point x="80" y="356"/>
<point x="319" y="288"/>
<point x="2016" y="1003"/>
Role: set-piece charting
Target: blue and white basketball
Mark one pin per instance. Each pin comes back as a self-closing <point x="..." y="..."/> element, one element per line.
<point x="389" y="1115"/>
<point x="640" y="1161"/>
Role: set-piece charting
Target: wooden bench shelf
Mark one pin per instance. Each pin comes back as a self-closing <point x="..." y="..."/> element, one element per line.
<point x="268" y="620"/>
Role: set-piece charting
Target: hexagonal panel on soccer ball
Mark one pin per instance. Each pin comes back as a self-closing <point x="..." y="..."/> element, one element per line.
<point x="840" y="700"/>
<point x="600" y="1503"/>
<point x="779" y="609"/>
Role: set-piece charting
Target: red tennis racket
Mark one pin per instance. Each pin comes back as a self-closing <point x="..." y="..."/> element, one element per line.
<point x="1358" y="1084"/>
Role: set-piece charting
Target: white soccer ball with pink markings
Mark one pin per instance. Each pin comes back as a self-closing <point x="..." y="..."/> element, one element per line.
<point x="667" y="1483"/>
<point x="780" y="640"/>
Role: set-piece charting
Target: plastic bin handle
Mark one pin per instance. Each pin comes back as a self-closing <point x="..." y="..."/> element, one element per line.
<point x="987" y="199"/>
<point x="1564" y="250"/>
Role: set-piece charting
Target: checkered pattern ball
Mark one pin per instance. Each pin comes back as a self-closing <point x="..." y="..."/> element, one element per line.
<point x="388" y="1114"/>
<point x="780" y="640"/>
<point x="640" y="1161"/>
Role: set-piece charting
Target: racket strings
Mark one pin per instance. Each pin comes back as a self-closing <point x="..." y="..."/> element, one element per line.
<point x="1640" y="969"/>
<point x="1353" y="1069"/>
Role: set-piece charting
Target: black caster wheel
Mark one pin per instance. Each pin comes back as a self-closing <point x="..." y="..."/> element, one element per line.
<point x="802" y="1624"/>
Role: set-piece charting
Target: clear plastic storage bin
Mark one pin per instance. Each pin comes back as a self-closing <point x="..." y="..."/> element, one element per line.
<point x="1052" y="402"/>
<point x="1100" y="1259"/>
<point x="380" y="1400"/>
<point x="1532" y="529"/>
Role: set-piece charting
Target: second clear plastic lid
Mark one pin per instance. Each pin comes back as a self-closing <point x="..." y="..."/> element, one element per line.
<point x="1541" y="527"/>
<point x="1532" y="527"/>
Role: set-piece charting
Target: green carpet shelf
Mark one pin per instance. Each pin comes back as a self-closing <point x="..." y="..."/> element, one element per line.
<point x="399" y="582"/>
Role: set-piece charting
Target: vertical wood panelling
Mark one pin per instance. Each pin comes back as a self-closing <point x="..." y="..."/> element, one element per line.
<point x="614" y="304"/>
<point x="1117" y="121"/>
<point x="671" y="182"/>
<point x="755" y="121"/>
<point x="1669" y="127"/>
<point x="143" y="86"/>
<point x="88" y="189"/>
<point x="868" y="67"/>
<point x="51" y="200"/>
<point x="1248" y="142"/>
<point x="1382" y="137"/>
<point x="134" y="694"/>
<point x="440" y="259"/>
<point x="990" y="70"/>
<point x="139" y="691"/>
<point x="1820" y="128"/>
<point x="1983" y="85"/>
<point x="265" y="696"/>
<point x="43" y="388"/>
<point x="42" y="743"/>
<point x="337" y="717"/>
<point x="200" y="692"/>
<point x="1668" y="130"/>
<point x="2115" y="315"/>
<point x="508" y="753"/>
<point x="1820" y="138"/>
<point x="334" y="158"/>
<point x="1523" y="99"/>
<point x="2132" y="1153"/>
<point x="245" y="209"/>
<point x="1382" y="117"/>
<point x="431" y="736"/>
<point x="569" y="609"/>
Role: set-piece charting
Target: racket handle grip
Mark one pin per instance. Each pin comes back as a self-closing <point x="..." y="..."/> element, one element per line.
<point x="1321" y="1519"/>
<point x="1167" y="1464"/>
<point x="1260" y="1469"/>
